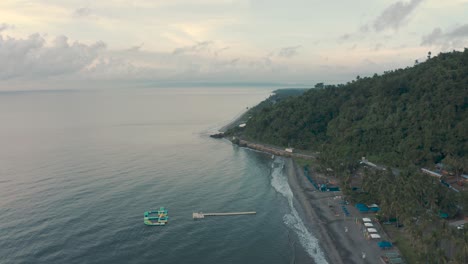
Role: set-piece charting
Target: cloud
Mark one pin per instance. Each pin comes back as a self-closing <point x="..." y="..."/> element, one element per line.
<point x="233" y="62"/>
<point x="364" y="29"/>
<point x="4" y="26"/>
<point x="395" y="15"/>
<point x="461" y="31"/>
<point x="288" y="52"/>
<point x="112" y="68"/>
<point x="33" y="57"/>
<point x="135" y="48"/>
<point x="262" y="63"/>
<point x="82" y="12"/>
<point x="197" y="48"/>
<point x="219" y="51"/>
<point x="433" y="37"/>
<point x="456" y="38"/>
<point x="344" y="37"/>
<point x="37" y="59"/>
<point x="378" y="46"/>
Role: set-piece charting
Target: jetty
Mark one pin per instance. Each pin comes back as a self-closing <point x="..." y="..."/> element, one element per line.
<point x="202" y="215"/>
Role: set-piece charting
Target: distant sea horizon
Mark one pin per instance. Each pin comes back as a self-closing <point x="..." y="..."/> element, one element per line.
<point x="96" y="85"/>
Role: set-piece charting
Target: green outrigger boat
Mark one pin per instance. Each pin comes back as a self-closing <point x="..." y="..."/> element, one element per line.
<point x="156" y="218"/>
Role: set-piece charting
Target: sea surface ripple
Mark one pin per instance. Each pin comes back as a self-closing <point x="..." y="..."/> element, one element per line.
<point x="79" y="168"/>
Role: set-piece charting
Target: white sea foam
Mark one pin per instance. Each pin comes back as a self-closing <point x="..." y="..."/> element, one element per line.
<point x="292" y="220"/>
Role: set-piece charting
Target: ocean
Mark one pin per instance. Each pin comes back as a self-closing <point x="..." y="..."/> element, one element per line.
<point x="79" y="167"/>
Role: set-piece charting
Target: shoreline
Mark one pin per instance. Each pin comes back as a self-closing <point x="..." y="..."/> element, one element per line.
<point x="268" y="149"/>
<point x="320" y="217"/>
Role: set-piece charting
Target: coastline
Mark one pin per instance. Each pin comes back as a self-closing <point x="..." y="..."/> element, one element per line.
<point x="319" y="210"/>
<point x="341" y="238"/>
<point x="234" y="121"/>
<point x="273" y="150"/>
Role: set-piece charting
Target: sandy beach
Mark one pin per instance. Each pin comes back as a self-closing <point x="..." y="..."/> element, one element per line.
<point x="341" y="238"/>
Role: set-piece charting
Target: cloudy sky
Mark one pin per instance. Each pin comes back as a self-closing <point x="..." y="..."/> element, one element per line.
<point x="78" y="42"/>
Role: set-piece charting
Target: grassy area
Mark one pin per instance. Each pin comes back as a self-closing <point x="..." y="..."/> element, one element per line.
<point x="401" y="240"/>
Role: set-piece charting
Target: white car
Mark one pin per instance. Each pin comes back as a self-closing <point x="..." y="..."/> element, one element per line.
<point x="460" y="227"/>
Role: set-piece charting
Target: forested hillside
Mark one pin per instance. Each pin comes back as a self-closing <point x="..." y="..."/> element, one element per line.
<point x="407" y="116"/>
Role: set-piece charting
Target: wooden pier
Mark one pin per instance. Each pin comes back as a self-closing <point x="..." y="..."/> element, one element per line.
<point x="202" y="215"/>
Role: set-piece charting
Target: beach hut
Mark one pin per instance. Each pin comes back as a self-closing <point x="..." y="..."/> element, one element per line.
<point x="371" y="230"/>
<point x="396" y="261"/>
<point x="374" y="236"/>
<point x="391" y="254"/>
<point x="374" y="208"/>
<point x="366" y="219"/>
<point x="465" y="177"/>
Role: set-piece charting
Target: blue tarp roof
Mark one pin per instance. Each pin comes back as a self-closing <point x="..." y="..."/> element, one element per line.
<point x="443" y="215"/>
<point x="384" y="244"/>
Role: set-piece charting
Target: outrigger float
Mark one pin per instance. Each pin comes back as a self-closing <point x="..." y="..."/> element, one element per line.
<point x="156" y="218"/>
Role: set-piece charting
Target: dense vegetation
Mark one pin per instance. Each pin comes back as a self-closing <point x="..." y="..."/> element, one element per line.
<point x="276" y="97"/>
<point x="405" y="118"/>
<point x="417" y="202"/>
<point x="408" y="116"/>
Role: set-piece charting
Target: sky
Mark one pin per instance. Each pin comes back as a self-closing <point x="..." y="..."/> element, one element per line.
<point x="56" y="43"/>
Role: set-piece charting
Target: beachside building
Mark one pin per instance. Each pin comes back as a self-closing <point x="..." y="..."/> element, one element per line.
<point x="290" y="150"/>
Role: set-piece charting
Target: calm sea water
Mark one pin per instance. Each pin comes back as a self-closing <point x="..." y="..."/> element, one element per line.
<point x="79" y="168"/>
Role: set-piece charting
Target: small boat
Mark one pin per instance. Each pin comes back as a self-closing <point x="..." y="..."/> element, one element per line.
<point x="156" y="218"/>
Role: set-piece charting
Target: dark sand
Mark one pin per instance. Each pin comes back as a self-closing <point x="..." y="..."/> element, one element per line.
<point x="319" y="210"/>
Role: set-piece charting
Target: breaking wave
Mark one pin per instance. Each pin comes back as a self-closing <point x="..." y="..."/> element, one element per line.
<point x="292" y="220"/>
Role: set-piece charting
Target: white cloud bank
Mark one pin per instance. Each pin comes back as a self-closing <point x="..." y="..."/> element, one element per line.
<point x="455" y="38"/>
<point x="51" y="61"/>
<point x="295" y="41"/>
<point x="395" y="15"/>
<point x="33" y="57"/>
